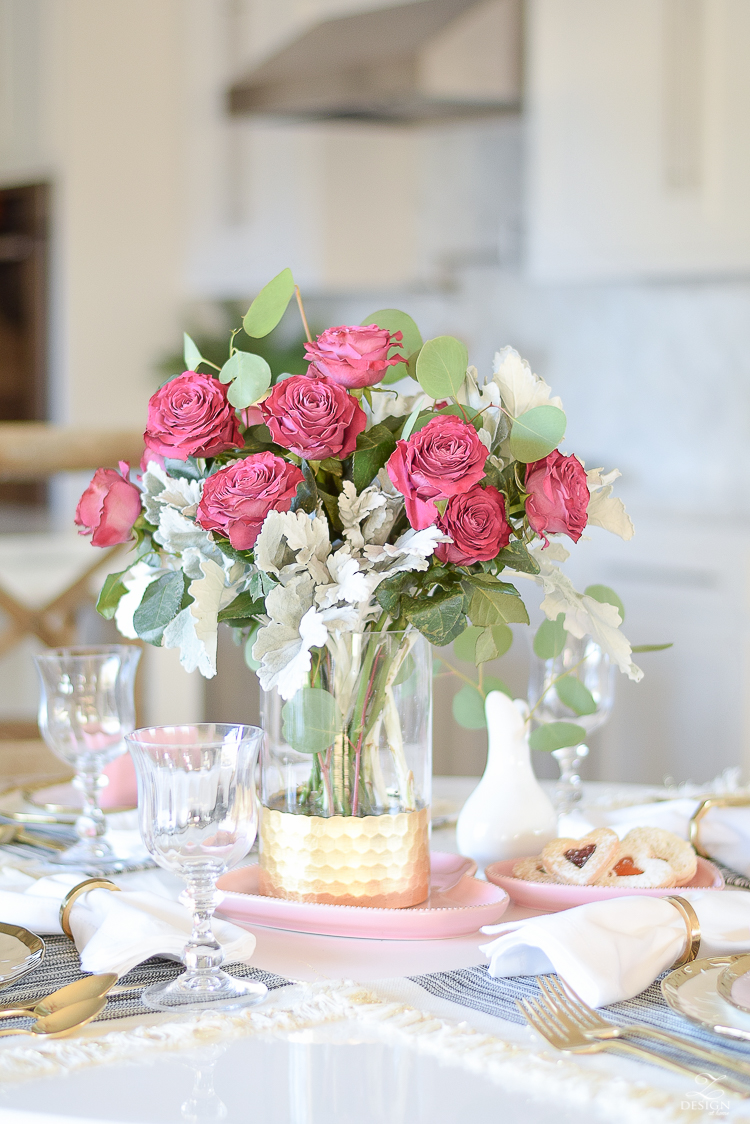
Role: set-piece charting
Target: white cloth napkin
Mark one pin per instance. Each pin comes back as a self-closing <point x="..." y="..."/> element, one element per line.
<point x="611" y="950"/>
<point x="724" y="832"/>
<point x="113" y="931"/>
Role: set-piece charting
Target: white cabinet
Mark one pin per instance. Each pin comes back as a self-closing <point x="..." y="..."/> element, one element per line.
<point x="638" y="138"/>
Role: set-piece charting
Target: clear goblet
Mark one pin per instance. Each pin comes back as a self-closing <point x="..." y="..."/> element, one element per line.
<point x="584" y="660"/>
<point x="86" y="708"/>
<point x="198" y="816"/>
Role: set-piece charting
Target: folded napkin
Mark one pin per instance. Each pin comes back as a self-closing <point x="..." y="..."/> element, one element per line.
<point x="113" y="931"/>
<point x="611" y="950"/>
<point x="724" y="832"/>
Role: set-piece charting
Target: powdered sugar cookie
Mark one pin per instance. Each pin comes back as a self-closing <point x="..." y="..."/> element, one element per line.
<point x="643" y="843"/>
<point x="581" y="862"/>
<point x="531" y="870"/>
<point x="643" y="874"/>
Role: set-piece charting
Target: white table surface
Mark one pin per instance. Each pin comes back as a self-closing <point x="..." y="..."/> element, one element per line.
<point x="340" y="1073"/>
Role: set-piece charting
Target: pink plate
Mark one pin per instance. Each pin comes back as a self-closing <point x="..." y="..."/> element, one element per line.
<point x="458" y="904"/>
<point x="552" y="896"/>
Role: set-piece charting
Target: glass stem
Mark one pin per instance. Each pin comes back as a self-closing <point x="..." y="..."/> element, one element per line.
<point x="91" y="823"/>
<point x="203" y="952"/>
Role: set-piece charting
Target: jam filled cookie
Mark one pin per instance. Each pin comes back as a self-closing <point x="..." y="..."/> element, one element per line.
<point x="644" y="843"/>
<point x="638" y="874"/>
<point x="531" y="870"/>
<point x="581" y="862"/>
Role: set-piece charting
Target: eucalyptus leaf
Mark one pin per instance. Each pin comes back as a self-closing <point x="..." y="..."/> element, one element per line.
<point x="441" y="366"/>
<point x="110" y="595"/>
<point x="556" y="735"/>
<point x="651" y="647"/>
<point x="374" y="447"/>
<point x="393" y="320"/>
<point x="550" y="638"/>
<point x="606" y="596"/>
<point x="191" y="353"/>
<point x="536" y="433"/>
<point x="572" y="693"/>
<point x="161" y="602"/>
<point x="250" y="377"/>
<point x="269" y="306"/>
<point x="465" y="645"/>
<point x="468" y="703"/>
<point x="493" y="642"/>
<point x="311" y="720"/>
<point x="465" y="413"/>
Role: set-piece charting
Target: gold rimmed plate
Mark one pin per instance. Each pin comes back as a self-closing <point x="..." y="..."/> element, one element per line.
<point x="20" y="952"/>
<point x="734" y="984"/>
<point x="693" y="992"/>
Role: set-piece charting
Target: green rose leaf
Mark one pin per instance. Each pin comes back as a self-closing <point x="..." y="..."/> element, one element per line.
<point x="311" y="720"/>
<point x="572" y="693"/>
<point x="550" y="638"/>
<point x="269" y="306"/>
<point x="468" y="703"/>
<point x="306" y="496"/>
<point x="244" y="606"/>
<point x="191" y="353"/>
<point x="493" y="642"/>
<point x="159" y="606"/>
<point x="250" y="377"/>
<point x="651" y="647"/>
<point x="441" y="366"/>
<point x="536" y="433"/>
<point x="606" y="596"/>
<point x="556" y="735"/>
<point x="110" y="595"/>
<point x="465" y="645"/>
<point x="393" y="320"/>
<point x="374" y="447"/>
<point x="494" y="602"/>
<point x="516" y="557"/>
<point x="440" y="618"/>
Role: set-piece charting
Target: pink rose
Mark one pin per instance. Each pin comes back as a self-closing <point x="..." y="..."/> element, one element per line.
<point x="190" y="417"/>
<point x="558" y="496"/>
<point x="313" y="417"/>
<point x="109" y="507"/>
<point x="443" y="459"/>
<point x="477" y="524"/>
<point x="236" y="499"/>
<point x="354" y="356"/>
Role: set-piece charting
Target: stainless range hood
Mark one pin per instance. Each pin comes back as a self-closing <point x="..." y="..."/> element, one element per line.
<point x="419" y="61"/>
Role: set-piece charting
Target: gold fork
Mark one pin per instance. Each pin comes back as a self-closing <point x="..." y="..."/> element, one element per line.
<point x="591" y="1023"/>
<point x="562" y="1033"/>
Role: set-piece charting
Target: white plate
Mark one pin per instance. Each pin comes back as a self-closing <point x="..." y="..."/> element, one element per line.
<point x="691" y="992"/>
<point x="20" y="952"/>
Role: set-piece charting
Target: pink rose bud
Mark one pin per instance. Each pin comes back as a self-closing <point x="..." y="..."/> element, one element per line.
<point x="443" y="459"/>
<point x="354" y="356"/>
<point x="190" y="417"/>
<point x="477" y="523"/>
<point x="314" y="417"/>
<point x="237" y="499"/>
<point x="558" y="496"/>
<point x="109" y="507"/>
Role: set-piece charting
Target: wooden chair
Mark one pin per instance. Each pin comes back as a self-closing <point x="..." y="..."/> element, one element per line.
<point x="30" y="452"/>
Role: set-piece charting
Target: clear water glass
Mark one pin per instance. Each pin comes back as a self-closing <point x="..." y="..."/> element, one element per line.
<point x="86" y="707"/>
<point x="198" y="816"/>
<point x="584" y="660"/>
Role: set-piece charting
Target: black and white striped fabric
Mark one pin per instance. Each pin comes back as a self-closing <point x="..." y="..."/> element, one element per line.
<point x="61" y="965"/>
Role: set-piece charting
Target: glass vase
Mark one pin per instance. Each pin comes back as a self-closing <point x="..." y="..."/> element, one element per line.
<point x="346" y="775"/>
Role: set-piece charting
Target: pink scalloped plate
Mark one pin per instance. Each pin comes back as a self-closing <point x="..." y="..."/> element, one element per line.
<point x="458" y="904"/>
<point x="553" y="896"/>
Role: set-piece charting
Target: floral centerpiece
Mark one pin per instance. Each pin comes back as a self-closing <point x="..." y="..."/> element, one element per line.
<point x="341" y="521"/>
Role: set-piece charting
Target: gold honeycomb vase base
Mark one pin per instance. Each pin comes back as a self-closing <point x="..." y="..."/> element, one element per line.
<point x="376" y="861"/>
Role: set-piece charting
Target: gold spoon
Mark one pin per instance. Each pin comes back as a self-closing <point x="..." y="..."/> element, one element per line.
<point x="15" y="833"/>
<point x="90" y="987"/>
<point x="64" y="1021"/>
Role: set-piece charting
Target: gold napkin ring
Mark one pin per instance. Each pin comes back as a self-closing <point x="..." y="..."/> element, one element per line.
<point x="75" y="893"/>
<point x="692" y="924"/>
<point x="728" y="801"/>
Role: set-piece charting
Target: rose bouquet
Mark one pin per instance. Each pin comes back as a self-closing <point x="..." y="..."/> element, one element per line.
<point x="335" y="517"/>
